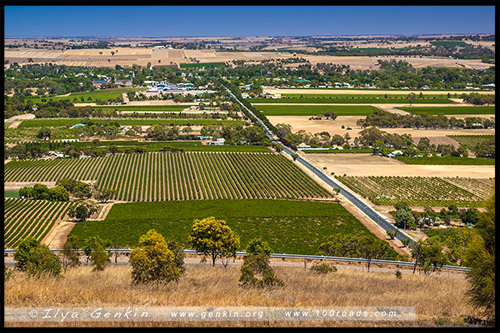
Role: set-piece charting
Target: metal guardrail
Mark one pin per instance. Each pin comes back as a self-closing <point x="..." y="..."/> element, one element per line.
<point x="289" y="256"/>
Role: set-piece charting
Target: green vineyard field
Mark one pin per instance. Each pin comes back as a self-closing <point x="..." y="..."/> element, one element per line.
<point x="420" y="191"/>
<point x="179" y="176"/>
<point x="23" y="217"/>
<point x="288" y="226"/>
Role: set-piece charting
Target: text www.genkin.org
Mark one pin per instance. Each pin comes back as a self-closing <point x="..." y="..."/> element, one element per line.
<point x="72" y="314"/>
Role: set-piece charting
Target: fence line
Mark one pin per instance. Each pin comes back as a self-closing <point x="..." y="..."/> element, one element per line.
<point x="289" y="256"/>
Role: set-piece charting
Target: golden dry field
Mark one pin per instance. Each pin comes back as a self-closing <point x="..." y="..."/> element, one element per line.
<point x="439" y="300"/>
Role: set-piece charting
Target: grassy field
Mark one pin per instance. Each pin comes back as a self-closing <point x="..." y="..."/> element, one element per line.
<point x="315" y="110"/>
<point x="29" y="134"/>
<point x="455" y="110"/>
<point x="337" y="151"/>
<point x="203" y="64"/>
<point x="143" y="107"/>
<point x="358" y="98"/>
<point x="448" y="43"/>
<point x="61" y="122"/>
<point x="288" y="226"/>
<point x="446" y="160"/>
<point x="11" y="194"/>
<point x="151" y="146"/>
<point x="471" y="140"/>
<point x="88" y="97"/>
<point x="440" y="301"/>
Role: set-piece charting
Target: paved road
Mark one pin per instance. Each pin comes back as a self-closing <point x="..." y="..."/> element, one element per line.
<point x="350" y="196"/>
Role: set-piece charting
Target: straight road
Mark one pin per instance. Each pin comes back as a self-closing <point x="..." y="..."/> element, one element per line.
<point x="350" y="196"/>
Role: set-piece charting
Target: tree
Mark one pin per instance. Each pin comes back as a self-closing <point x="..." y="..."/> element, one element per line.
<point x="153" y="261"/>
<point x="59" y="193"/>
<point x="258" y="265"/>
<point x="404" y="219"/>
<point x="36" y="259"/>
<point x="277" y="147"/>
<point x="95" y="248"/>
<point x="214" y="237"/>
<point x="257" y="246"/>
<point x="256" y="271"/>
<point x="44" y="133"/>
<point x="392" y="233"/>
<point x="295" y="156"/>
<point x="283" y="130"/>
<point x="82" y="190"/>
<point x="480" y="257"/>
<point x="71" y="257"/>
<point x="371" y="248"/>
<point x="470" y="215"/>
<point x="67" y="183"/>
<point x="82" y="210"/>
<point x="330" y="115"/>
<point x="411" y="97"/>
<point x="428" y="255"/>
<point x="103" y="195"/>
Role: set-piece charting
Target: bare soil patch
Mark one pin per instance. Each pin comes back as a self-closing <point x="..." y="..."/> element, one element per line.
<point x="335" y="127"/>
<point x="365" y="91"/>
<point x="369" y="165"/>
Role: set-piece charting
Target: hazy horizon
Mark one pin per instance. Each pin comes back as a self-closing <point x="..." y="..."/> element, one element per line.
<point x="243" y="21"/>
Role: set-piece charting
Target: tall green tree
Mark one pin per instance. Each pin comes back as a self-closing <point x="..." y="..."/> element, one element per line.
<point x="36" y="259"/>
<point x="71" y="256"/>
<point x="215" y="238"/>
<point x="152" y="261"/>
<point x="480" y="257"/>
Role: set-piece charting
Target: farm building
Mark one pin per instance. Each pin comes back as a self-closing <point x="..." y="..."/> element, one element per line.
<point x="395" y="153"/>
<point x="218" y="142"/>
<point x="99" y="83"/>
<point x="123" y="82"/>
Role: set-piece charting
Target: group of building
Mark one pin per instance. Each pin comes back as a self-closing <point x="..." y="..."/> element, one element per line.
<point x="107" y="80"/>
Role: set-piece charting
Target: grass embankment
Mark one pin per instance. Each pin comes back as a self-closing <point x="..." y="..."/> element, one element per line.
<point x="447" y="160"/>
<point x="85" y="97"/>
<point x="143" y="107"/>
<point x="356" y="98"/>
<point x="315" y="110"/>
<point x="450" y="110"/>
<point x="439" y="300"/>
<point x="297" y="227"/>
<point x="62" y="122"/>
<point x="471" y="141"/>
<point x="11" y="193"/>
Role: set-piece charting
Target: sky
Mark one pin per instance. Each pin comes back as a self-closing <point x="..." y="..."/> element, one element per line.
<point x="185" y="21"/>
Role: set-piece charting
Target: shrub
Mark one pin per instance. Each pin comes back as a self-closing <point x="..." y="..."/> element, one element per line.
<point x="258" y="265"/>
<point x="153" y="261"/>
<point x="36" y="259"/>
<point x="323" y="268"/>
<point x="95" y="248"/>
<point x="82" y="210"/>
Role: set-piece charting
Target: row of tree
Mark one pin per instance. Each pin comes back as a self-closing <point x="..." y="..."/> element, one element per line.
<point x="383" y="119"/>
